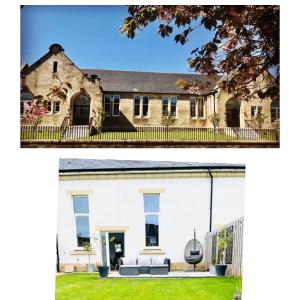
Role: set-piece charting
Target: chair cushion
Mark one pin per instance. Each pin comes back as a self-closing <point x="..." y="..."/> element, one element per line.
<point x="128" y="261"/>
<point x="144" y="261"/>
<point x="157" y="260"/>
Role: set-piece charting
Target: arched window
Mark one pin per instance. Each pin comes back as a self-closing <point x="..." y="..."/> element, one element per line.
<point x="275" y="110"/>
<point x="26" y="98"/>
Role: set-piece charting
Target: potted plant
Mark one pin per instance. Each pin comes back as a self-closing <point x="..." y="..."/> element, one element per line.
<point x="103" y="270"/>
<point x="223" y="241"/>
<point x="88" y="248"/>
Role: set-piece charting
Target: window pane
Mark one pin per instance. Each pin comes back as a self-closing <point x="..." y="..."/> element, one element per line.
<point x="82" y="230"/>
<point x="81" y="205"/>
<point x="49" y="105"/>
<point x="201" y="108"/>
<point x="173" y="105"/>
<point x="253" y="109"/>
<point x="137" y="105"/>
<point x="145" y="105"/>
<point x="193" y="105"/>
<point x="151" y="223"/>
<point x="165" y="101"/>
<point x="22" y="108"/>
<point x="151" y="203"/>
<point x="57" y="107"/>
<point x="116" y="105"/>
<point x="107" y="103"/>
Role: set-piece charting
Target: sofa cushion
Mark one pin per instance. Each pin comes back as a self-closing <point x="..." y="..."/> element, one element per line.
<point x="144" y="261"/>
<point x="157" y="260"/>
<point x="128" y="261"/>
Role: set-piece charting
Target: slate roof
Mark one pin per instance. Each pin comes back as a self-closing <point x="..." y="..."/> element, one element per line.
<point x="84" y="165"/>
<point x="144" y="82"/>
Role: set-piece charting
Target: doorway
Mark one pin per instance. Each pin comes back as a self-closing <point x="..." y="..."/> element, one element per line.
<point x="116" y="249"/>
<point x="233" y="113"/>
<point x="81" y="110"/>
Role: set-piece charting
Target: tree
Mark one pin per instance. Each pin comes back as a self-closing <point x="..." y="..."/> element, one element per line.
<point x="38" y="107"/>
<point x="243" y="51"/>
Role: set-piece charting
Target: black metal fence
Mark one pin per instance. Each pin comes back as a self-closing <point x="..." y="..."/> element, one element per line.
<point x="145" y="133"/>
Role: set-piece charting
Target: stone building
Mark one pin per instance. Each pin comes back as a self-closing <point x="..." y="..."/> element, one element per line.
<point x="133" y="98"/>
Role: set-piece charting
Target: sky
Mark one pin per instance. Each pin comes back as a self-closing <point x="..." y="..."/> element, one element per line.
<point x="91" y="39"/>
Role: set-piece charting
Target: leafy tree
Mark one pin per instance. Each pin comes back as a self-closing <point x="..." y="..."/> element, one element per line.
<point x="245" y="47"/>
<point x="214" y="119"/>
<point x="38" y="107"/>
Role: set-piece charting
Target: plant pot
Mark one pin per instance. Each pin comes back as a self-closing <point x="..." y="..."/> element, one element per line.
<point x="90" y="268"/>
<point x="103" y="271"/>
<point x="220" y="270"/>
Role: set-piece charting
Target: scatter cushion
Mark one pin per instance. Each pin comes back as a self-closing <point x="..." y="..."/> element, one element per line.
<point x="144" y="261"/>
<point x="157" y="261"/>
<point x="128" y="261"/>
<point x="194" y="252"/>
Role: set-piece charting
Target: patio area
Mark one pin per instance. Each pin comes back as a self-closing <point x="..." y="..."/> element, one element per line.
<point x="174" y="274"/>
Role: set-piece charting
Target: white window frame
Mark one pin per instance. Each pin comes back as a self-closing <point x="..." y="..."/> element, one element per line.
<point x="140" y="115"/>
<point x="169" y="104"/>
<point x="151" y="214"/>
<point x="78" y="215"/>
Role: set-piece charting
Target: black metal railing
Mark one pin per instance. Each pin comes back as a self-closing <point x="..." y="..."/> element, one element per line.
<point x="145" y="133"/>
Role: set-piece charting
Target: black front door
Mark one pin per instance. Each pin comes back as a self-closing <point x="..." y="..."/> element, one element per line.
<point x="81" y="114"/>
<point x="116" y="248"/>
<point x="233" y="113"/>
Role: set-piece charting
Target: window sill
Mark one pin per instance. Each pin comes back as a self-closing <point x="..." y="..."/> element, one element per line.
<point x="152" y="251"/>
<point x="140" y="117"/>
<point x="82" y="252"/>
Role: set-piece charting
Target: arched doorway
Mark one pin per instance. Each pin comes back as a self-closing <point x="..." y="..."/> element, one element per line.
<point x="81" y="110"/>
<point x="233" y="113"/>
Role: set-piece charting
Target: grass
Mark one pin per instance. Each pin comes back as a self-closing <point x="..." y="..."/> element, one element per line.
<point x="90" y="287"/>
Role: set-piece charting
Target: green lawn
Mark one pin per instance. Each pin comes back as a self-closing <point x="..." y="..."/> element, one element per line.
<point x="90" y="287"/>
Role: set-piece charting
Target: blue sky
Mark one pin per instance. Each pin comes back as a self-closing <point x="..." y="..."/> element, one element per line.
<point x="90" y="37"/>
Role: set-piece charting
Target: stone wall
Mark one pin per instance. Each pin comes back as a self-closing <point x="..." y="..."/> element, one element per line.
<point x="42" y="78"/>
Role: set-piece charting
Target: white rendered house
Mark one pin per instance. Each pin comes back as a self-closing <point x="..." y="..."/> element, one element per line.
<point x="142" y="207"/>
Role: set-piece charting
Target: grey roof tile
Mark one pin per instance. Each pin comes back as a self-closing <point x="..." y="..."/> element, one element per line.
<point x="82" y="165"/>
<point x="144" y="82"/>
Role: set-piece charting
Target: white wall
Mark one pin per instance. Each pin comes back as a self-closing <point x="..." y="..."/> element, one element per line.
<point x="184" y="205"/>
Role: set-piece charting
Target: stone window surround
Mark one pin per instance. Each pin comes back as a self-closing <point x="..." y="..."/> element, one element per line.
<point x="140" y="115"/>
<point x="198" y="100"/>
<point x="169" y="104"/>
<point x="112" y="104"/>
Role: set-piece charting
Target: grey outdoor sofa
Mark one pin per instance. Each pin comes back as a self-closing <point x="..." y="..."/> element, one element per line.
<point x="144" y="265"/>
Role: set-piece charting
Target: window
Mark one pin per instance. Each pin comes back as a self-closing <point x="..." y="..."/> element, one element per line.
<point x="26" y="99"/>
<point x="173" y="105"/>
<point x="145" y="105"/>
<point x="49" y="107"/>
<point x="255" y="110"/>
<point x="201" y="107"/>
<point x="107" y="104"/>
<point x="165" y="104"/>
<point x="56" y="106"/>
<point x="169" y="105"/>
<point x="137" y="100"/>
<point x="197" y="107"/>
<point x="111" y="105"/>
<point x="141" y="104"/>
<point x="81" y="212"/>
<point x="151" y="210"/>
<point x="275" y="111"/>
<point x="116" y="104"/>
<point x="54" y="66"/>
<point x="193" y="107"/>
